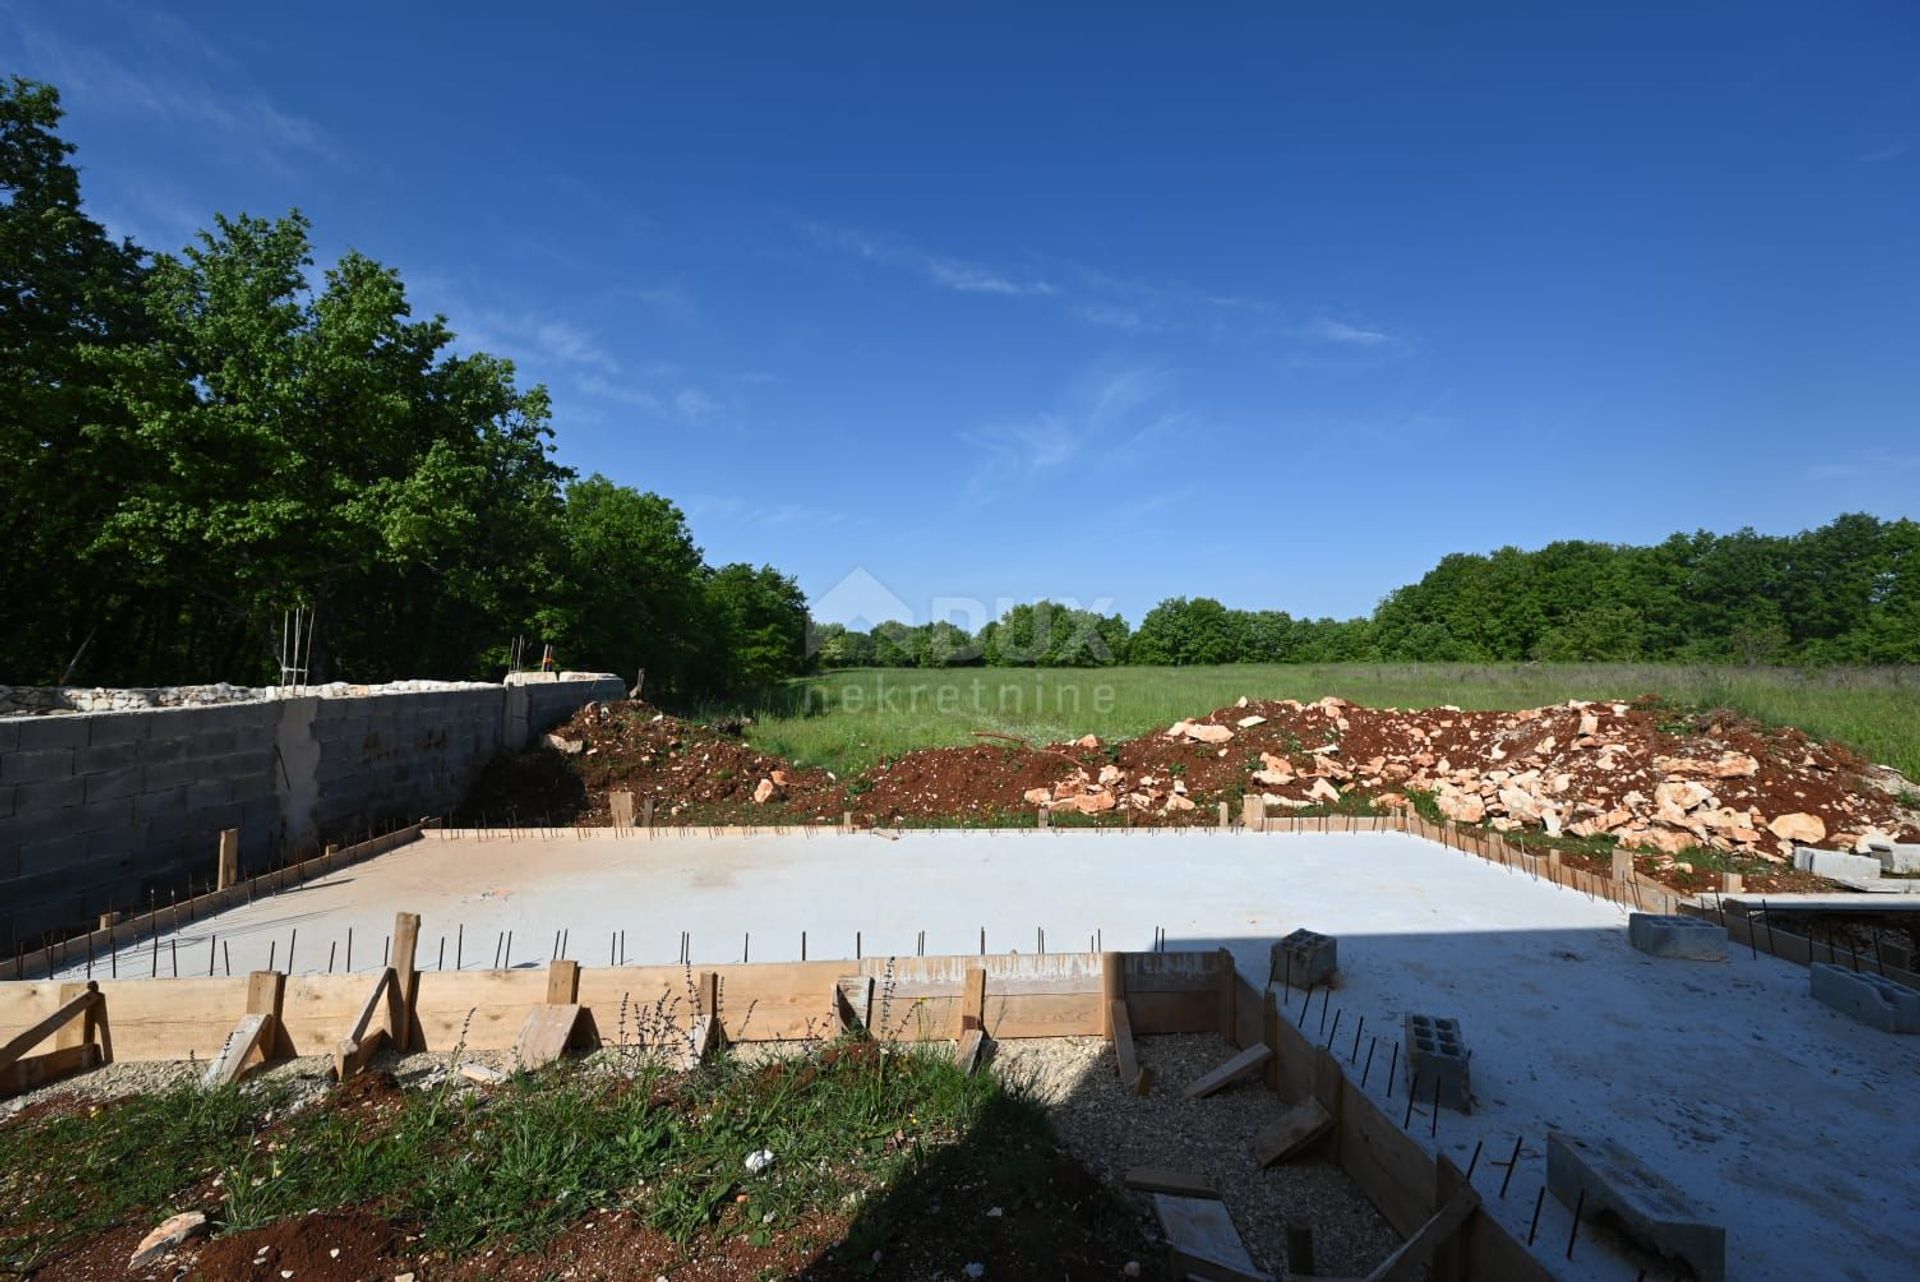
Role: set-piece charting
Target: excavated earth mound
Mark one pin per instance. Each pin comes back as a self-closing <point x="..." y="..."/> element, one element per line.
<point x="1648" y="777"/>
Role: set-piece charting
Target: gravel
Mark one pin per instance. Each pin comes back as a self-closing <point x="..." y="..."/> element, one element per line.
<point x="1111" y="1130"/>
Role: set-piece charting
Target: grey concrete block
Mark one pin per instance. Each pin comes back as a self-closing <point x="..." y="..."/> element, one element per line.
<point x="36" y="764"/>
<point x="6" y="800"/>
<point x="1650" y="1209"/>
<point x="204" y="794"/>
<point x="1685" y="938"/>
<point x="53" y="854"/>
<point x="1836" y="865"/>
<point x="115" y="813"/>
<point x="122" y="843"/>
<point x="40" y="734"/>
<point x="9" y="733"/>
<point x="110" y="784"/>
<point x="1437" y="1060"/>
<point x="215" y="743"/>
<point x="119" y="727"/>
<point x="167" y="801"/>
<point x="107" y="756"/>
<point x="171" y="774"/>
<point x="1869" y="998"/>
<point x="1902" y="858"/>
<point x="1304" y="959"/>
<point x="49" y="795"/>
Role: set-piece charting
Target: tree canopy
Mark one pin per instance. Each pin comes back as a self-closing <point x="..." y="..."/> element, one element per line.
<point x="193" y="444"/>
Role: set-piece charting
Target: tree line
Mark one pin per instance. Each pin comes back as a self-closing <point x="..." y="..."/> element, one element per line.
<point x="195" y="444"/>
<point x="1848" y="592"/>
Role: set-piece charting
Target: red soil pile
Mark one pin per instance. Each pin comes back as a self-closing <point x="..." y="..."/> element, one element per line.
<point x="1650" y="778"/>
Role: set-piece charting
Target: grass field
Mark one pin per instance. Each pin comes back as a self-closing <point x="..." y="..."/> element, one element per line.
<point x="849" y="720"/>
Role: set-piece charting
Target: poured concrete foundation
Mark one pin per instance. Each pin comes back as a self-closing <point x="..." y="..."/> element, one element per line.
<point x="1780" y="1118"/>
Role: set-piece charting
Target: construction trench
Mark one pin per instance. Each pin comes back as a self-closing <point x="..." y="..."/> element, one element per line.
<point x="1776" y="1126"/>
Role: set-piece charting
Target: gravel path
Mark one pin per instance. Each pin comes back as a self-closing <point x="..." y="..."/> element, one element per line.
<point x="1111" y="1130"/>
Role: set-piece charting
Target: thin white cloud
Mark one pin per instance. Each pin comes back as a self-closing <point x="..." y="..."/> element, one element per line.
<point x="1107" y="416"/>
<point x="736" y="510"/>
<point x="1892" y="151"/>
<point x="692" y="404"/>
<point x="177" y="88"/>
<point x="1338" y="331"/>
<point x="948" y="273"/>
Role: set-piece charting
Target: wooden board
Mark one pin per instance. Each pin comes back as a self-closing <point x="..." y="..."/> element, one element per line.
<point x="1204" y="1241"/>
<point x="36" y="1071"/>
<point x="1302" y="1124"/>
<point x="547" y="1033"/>
<point x="251" y="1034"/>
<point x="174" y="1018"/>
<point x="317" y="1010"/>
<point x="853" y="1002"/>
<point x="1405" y="1264"/>
<point x="967" y="1052"/>
<point x="73" y="1009"/>
<point x="1132" y="1076"/>
<point x="481" y="1009"/>
<point x="1237" y="1067"/>
<point x="1158" y="1179"/>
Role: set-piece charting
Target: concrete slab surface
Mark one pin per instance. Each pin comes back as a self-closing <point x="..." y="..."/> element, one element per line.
<point x="1784" y="1120"/>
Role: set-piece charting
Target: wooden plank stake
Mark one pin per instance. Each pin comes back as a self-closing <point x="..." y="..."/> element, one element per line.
<point x="973" y="1000"/>
<point x="1298" y="1127"/>
<point x="359" y="1046"/>
<point x="1300" y="1250"/>
<point x="853" y="1002"/>
<point x="1240" y="1065"/>
<point x="1158" y="1179"/>
<point x="76" y="1009"/>
<point x="229" y="874"/>
<point x="253" y="1032"/>
<point x="563" y="982"/>
<point x="1405" y="1264"/>
<point x="1113" y="988"/>
<point x="549" y="1032"/>
<point x="1228" y="1027"/>
<point x="1253" y="812"/>
<point x="621" y="804"/>
<point x="1135" y="1078"/>
<point x="970" y="1050"/>
<point x="406" y="941"/>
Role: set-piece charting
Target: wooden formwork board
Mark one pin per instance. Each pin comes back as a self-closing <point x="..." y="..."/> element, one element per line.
<point x="915" y="999"/>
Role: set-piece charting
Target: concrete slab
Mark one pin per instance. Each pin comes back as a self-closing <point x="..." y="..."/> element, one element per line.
<point x="1708" y="1075"/>
<point x="1598" y="1175"/>
<point x="1876" y="1002"/>
<point x="1682" y="938"/>
<point x="1843" y="868"/>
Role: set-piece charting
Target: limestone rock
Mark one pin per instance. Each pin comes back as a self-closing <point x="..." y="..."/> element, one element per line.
<point x="763" y="792"/>
<point x="1808" y="829"/>
<point x="165" y="1236"/>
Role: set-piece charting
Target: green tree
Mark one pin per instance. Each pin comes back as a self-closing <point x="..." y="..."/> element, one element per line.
<point x="68" y="295"/>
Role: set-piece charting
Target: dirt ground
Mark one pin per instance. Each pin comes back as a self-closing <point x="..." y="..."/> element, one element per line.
<point x="1691" y="794"/>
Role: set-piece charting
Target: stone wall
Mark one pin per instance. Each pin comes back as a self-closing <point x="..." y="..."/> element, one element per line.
<point x="100" y="811"/>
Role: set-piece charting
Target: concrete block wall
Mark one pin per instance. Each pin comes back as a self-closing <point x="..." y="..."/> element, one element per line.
<point x="100" y="811"/>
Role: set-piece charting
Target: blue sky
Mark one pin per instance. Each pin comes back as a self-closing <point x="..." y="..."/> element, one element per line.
<point x="1276" y="303"/>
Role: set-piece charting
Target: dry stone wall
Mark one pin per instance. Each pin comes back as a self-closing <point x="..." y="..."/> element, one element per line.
<point x="107" y="811"/>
